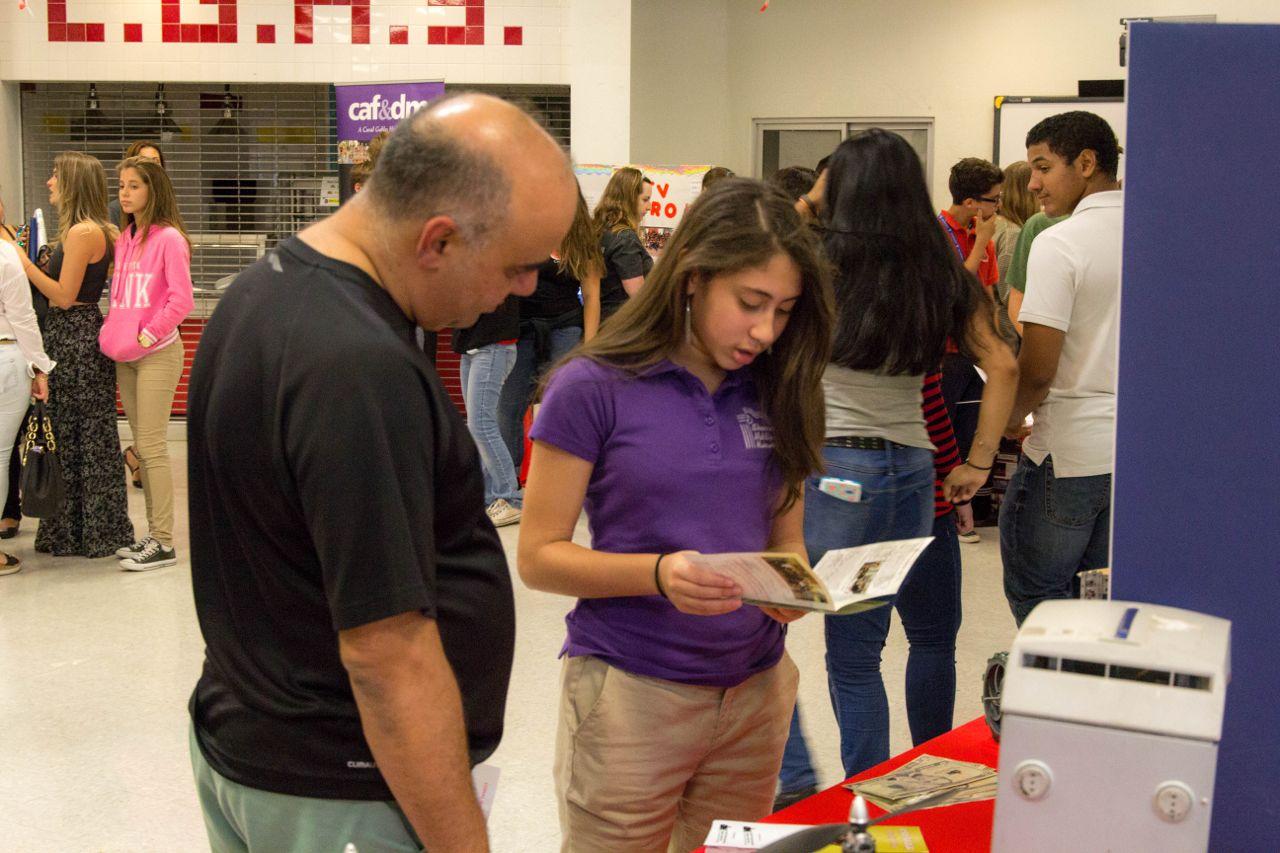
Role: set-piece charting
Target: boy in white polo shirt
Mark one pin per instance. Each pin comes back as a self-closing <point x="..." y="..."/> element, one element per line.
<point x="1056" y="517"/>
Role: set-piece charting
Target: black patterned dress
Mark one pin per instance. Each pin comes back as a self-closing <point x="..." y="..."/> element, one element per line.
<point x="82" y="404"/>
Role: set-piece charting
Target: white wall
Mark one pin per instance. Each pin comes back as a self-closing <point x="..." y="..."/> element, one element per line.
<point x="871" y="58"/>
<point x="11" y="159"/>
<point x="583" y="43"/>
<point x="598" y="60"/>
<point x="680" y="82"/>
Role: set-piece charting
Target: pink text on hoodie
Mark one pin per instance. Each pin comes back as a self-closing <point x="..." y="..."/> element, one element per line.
<point x="150" y="292"/>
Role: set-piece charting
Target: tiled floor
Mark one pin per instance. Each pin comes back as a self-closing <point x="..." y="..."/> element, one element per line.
<point x="96" y="666"/>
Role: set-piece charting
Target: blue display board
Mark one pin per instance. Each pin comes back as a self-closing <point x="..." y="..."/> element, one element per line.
<point x="1197" y="482"/>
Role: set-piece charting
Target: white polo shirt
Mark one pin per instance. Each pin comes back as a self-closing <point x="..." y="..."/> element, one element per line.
<point x="1073" y="285"/>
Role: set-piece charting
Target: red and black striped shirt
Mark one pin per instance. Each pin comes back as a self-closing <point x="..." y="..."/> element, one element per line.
<point x="946" y="455"/>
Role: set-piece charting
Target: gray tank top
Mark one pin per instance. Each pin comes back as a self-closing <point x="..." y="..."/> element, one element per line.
<point x="863" y="403"/>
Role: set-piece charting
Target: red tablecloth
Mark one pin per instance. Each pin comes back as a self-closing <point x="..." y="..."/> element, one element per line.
<point x="963" y="828"/>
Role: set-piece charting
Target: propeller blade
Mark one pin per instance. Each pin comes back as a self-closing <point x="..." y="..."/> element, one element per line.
<point x="808" y="840"/>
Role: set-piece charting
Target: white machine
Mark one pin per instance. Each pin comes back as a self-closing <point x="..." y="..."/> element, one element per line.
<point x="1112" y="716"/>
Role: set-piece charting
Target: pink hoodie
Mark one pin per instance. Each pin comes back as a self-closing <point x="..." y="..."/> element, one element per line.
<point x="150" y="292"/>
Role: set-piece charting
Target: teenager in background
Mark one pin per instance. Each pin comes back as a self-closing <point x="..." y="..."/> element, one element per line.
<point x="552" y="321"/>
<point x="147" y="150"/>
<point x="714" y="175"/>
<point x="1056" y="518"/>
<point x="617" y="218"/>
<point x="151" y="295"/>
<point x="488" y="350"/>
<point x="24" y="365"/>
<point x="703" y="394"/>
<point x="970" y="224"/>
<point x="901" y="295"/>
<point x="12" y="514"/>
<point x="94" y="521"/>
<point x="1017" y="205"/>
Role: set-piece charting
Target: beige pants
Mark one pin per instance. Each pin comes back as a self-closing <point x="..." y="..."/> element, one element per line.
<point x="644" y="764"/>
<point x="146" y="389"/>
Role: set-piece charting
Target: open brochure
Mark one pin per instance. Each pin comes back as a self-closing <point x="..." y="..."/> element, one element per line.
<point x="846" y="580"/>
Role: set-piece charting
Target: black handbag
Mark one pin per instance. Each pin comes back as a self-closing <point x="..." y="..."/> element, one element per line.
<point x="44" y="490"/>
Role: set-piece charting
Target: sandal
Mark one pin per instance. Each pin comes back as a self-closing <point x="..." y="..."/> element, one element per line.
<point x="134" y="464"/>
<point x="10" y="565"/>
<point x="7" y="531"/>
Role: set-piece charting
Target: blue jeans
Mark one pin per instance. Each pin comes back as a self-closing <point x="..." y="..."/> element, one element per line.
<point x="483" y="374"/>
<point x="520" y="384"/>
<point x="1050" y="529"/>
<point x="897" y="503"/>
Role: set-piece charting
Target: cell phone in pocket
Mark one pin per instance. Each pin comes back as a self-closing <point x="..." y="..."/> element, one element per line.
<point x="840" y="489"/>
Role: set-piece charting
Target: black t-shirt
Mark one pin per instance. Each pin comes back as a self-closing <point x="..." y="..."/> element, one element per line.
<point x="624" y="257"/>
<point x="555" y="296"/>
<point x="332" y="484"/>
<point x="494" y="327"/>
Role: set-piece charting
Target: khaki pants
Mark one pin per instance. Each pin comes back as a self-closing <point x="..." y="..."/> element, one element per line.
<point x="644" y="764"/>
<point x="146" y="389"/>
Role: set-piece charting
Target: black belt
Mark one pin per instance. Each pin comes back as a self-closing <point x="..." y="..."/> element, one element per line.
<point x="857" y="442"/>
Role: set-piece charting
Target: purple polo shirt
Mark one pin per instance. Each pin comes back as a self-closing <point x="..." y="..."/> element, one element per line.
<point x="676" y="468"/>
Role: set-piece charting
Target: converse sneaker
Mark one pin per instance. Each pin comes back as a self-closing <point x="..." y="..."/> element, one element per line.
<point x="153" y="556"/>
<point x="128" y="552"/>
<point x="502" y="513"/>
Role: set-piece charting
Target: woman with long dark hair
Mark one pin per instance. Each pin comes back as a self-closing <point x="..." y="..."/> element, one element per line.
<point x="94" y="522"/>
<point x="901" y="294"/>
<point x="704" y="393"/>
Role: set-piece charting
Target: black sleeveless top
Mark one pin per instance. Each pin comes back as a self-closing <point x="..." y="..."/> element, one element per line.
<point x="95" y="274"/>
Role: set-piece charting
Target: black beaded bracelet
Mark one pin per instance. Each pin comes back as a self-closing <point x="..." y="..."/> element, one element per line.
<point x="979" y="467"/>
<point x="657" y="581"/>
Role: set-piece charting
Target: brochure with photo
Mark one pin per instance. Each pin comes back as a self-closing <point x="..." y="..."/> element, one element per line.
<point x="846" y="580"/>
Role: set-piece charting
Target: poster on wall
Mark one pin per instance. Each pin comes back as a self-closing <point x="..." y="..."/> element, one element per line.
<point x="366" y="110"/>
<point x="674" y="189"/>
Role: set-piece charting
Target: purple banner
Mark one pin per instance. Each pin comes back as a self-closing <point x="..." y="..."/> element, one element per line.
<point x="365" y="111"/>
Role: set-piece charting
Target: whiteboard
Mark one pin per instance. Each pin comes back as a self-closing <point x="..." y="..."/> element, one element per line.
<point x="1017" y="115"/>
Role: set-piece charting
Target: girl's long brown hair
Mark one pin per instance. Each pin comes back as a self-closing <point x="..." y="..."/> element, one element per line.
<point x="82" y="194"/>
<point x="162" y="205"/>
<point x="616" y="210"/>
<point x="580" y="254"/>
<point x="1017" y="204"/>
<point x="739" y="224"/>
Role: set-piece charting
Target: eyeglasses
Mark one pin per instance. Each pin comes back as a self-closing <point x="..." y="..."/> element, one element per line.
<point x="995" y="200"/>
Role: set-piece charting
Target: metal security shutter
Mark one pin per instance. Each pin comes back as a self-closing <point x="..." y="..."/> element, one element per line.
<point x="548" y="104"/>
<point x="250" y="165"/>
<point x="247" y="163"/>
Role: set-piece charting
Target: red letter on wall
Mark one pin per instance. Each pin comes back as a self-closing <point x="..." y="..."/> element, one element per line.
<point x="304" y="28"/>
<point x="173" y="30"/>
<point x="61" y="30"/>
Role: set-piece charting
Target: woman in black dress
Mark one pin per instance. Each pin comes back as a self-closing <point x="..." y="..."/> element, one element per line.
<point x="82" y="392"/>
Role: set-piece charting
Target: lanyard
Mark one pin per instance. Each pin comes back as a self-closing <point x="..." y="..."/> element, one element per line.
<point x="952" y="234"/>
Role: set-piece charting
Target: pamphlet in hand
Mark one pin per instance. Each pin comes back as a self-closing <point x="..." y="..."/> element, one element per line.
<point x="846" y="580"/>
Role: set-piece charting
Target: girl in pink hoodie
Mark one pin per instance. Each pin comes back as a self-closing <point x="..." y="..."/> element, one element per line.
<point x="150" y="296"/>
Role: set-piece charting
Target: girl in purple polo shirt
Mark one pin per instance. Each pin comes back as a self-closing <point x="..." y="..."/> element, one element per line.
<point x="687" y="425"/>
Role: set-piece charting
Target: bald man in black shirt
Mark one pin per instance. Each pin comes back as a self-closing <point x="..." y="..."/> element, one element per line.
<point x="353" y="596"/>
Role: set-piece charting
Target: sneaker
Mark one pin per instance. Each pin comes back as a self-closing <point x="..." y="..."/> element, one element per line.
<point x="790" y="798"/>
<point x="153" y="556"/>
<point x="502" y="513"/>
<point x="970" y="537"/>
<point x="128" y="552"/>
